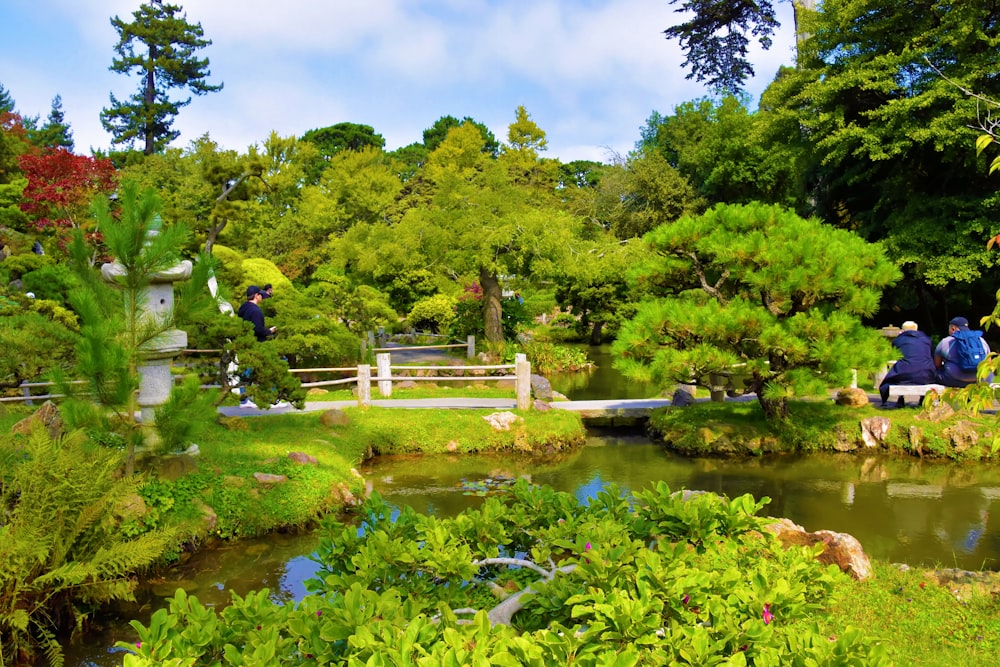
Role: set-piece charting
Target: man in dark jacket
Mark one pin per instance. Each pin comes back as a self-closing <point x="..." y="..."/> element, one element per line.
<point x="917" y="364"/>
<point x="251" y="312"/>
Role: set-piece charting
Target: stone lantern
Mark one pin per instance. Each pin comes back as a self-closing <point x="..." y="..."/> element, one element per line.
<point x="156" y="303"/>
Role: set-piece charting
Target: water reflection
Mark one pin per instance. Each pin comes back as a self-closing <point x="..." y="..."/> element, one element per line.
<point x="901" y="510"/>
<point x="602" y="382"/>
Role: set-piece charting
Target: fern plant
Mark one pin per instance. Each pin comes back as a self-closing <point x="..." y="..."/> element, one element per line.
<point x="63" y="555"/>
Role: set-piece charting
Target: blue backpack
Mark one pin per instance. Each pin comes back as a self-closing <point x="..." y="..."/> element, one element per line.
<point x="967" y="349"/>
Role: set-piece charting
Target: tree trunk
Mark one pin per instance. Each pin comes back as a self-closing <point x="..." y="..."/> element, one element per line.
<point x="148" y="97"/>
<point x="774" y="410"/>
<point x="492" y="310"/>
<point x="595" y="333"/>
<point x="798" y="6"/>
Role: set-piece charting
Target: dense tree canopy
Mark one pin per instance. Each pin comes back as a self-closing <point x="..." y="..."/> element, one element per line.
<point x="890" y="136"/>
<point x="758" y="292"/>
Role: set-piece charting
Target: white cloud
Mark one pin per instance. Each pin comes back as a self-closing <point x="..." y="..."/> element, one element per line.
<point x="589" y="72"/>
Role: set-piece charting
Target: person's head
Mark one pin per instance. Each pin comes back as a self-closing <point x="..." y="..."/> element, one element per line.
<point x="254" y="294"/>
<point x="909" y="325"/>
<point x="268" y="289"/>
<point x="958" y="324"/>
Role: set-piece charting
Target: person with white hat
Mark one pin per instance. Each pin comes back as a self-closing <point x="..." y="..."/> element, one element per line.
<point x="917" y="364"/>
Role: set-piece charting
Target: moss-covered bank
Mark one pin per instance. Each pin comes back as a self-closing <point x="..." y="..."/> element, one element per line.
<point x="251" y="476"/>
<point x="737" y="428"/>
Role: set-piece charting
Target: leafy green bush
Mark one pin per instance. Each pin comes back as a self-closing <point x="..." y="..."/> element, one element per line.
<point x="613" y="582"/>
<point x="434" y="313"/>
<point x="18" y="265"/>
<point x="54" y="282"/>
<point x="548" y="358"/>
<point x="32" y="346"/>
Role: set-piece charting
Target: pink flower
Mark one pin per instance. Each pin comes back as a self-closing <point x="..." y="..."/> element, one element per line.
<point x="319" y="612"/>
<point x="686" y="599"/>
<point x="587" y="547"/>
<point x="138" y="644"/>
<point x="768" y="616"/>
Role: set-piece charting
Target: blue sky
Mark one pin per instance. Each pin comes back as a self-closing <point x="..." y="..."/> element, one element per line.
<point x="589" y="72"/>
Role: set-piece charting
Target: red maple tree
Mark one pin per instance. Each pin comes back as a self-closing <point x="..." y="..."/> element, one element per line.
<point x="61" y="186"/>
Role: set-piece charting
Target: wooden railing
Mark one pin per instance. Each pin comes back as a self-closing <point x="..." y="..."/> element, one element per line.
<point x="384" y="377"/>
<point x="362" y="377"/>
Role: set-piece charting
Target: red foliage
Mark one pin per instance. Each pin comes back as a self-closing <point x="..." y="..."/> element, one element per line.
<point x="472" y="292"/>
<point x="61" y="186"/>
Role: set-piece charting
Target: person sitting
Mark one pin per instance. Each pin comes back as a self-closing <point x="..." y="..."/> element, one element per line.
<point x="958" y="355"/>
<point x="917" y="364"/>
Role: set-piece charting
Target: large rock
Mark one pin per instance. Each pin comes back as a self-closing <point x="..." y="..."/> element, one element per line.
<point x="502" y="421"/>
<point x="47" y="415"/>
<point x="302" y="458"/>
<point x="269" y="479"/>
<point x="681" y="398"/>
<point x="841" y="549"/>
<point x="541" y="387"/>
<point x="874" y="430"/>
<point x="962" y="435"/>
<point x="939" y="413"/>
<point x="852" y="397"/>
<point x="334" y="417"/>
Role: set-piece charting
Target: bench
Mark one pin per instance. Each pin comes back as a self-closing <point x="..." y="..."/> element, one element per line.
<point x="916" y="391"/>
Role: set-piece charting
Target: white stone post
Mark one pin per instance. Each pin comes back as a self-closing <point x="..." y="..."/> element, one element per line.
<point x="364" y="385"/>
<point x="384" y="371"/>
<point x="522" y="383"/>
<point x="470" y="352"/>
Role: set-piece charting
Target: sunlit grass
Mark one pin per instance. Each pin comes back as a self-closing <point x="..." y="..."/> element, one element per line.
<point x="918" y="621"/>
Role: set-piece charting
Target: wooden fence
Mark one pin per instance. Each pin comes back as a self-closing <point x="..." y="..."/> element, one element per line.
<point x="362" y="377"/>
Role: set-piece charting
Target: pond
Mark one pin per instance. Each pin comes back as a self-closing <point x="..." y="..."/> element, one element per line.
<point x="902" y="510"/>
<point x="603" y="382"/>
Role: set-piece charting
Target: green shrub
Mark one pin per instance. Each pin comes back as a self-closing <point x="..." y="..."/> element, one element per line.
<point x="434" y="313"/>
<point x="53" y="282"/>
<point x="18" y="265"/>
<point x="613" y="582"/>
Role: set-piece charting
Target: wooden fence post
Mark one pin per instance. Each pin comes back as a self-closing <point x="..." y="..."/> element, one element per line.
<point x="364" y="385"/>
<point x="522" y="383"/>
<point x="384" y="371"/>
<point x="27" y="394"/>
<point x="471" y="351"/>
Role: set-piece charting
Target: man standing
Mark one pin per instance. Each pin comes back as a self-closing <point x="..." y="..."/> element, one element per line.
<point x="251" y="312"/>
<point x="958" y="355"/>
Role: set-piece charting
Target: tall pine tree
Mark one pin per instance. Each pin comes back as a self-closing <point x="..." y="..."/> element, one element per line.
<point x="55" y="133"/>
<point x="166" y="59"/>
